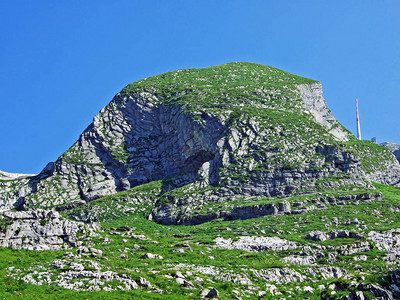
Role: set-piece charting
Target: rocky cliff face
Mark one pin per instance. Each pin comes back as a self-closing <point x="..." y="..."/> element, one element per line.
<point x="233" y="131"/>
<point x="315" y="104"/>
<point x="394" y="148"/>
<point x="39" y="230"/>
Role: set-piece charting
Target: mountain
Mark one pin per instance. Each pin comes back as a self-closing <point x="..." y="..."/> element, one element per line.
<point x="248" y="157"/>
<point x="237" y="129"/>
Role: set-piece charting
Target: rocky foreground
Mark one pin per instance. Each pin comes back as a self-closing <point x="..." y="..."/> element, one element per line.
<point x="322" y="262"/>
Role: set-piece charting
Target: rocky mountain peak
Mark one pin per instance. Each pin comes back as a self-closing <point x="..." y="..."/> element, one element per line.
<point x="238" y="129"/>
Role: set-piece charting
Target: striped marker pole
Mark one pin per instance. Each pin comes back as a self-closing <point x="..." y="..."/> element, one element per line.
<point x="358" y="122"/>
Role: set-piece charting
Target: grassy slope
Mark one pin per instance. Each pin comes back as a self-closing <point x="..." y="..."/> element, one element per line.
<point x="291" y="227"/>
<point x="219" y="87"/>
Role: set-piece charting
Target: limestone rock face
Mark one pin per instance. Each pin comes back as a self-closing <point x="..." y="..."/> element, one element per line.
<point x="315" y="104"/>
<point x="390" y="176"/>
<point x="389" y="167"/>
<point x="254" y="243"/>
<point x="223" y="133"/>
<point x="394" y="148"/>
<point x="152" y="142"/>
<point x="39" y="230"/>
<point x="388" y="241"/>
<point x="10" y="176"/>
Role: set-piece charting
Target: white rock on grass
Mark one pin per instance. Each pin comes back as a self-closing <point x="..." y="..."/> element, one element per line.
<point x="317" y="236"/>
<point x="256" y="243"/>
<point x="151" y="256"/>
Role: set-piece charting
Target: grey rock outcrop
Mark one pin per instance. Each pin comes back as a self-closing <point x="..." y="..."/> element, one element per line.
<point x="279" y="275"/>
<point x="78" y="275"/>
<point x="388" y="241"/>
<point x="344" y="234"/>
<point x="10" y="176"/>
<point x="322" y="236"/>
<point x="315" y="104"/>
<point x="317" y="236"/>
<point x="39" y="230"/>
<point x="256" y="243"/>
<point x="390" y="175"/>
<point x="153" y="141"/>
<point x="211" y="293"/>
<point x="300" y="260"/>
<point x="377" y="291"/>
<point x="182" y="210"/>
<point x="394" y="148"/>
<point x="151" y="256"/>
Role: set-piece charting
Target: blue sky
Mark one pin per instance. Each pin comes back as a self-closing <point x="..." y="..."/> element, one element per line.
<point x="62" y="61"/>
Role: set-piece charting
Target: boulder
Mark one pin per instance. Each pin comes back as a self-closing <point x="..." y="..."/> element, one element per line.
<point x="41" y="230"/>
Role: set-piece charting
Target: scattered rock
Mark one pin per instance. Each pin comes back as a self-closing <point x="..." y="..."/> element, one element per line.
<point x="360" y="258"/>
<point x="123" y="228"/>
<point x="377" y="291"/>
<point x="96" y="252"/>
<point x="316" y="236"/>
<point x="251" y="243"/>
<point x="300" y="260"/>
<point x="279" y="275"/>
<point x="204" y="293"/>
<point x="182" y="236"/>
<point x="212" y="293"/>
<point x="151" y="256"/>
<point x="75" y="276"/>
<point x="308" y="289"/>
<point x="180" y="250"/>
<point x="388" y="241"/>
<point x="344" y="234"/>
<point x="358" y="295"/>
<point x="143" y="282"/>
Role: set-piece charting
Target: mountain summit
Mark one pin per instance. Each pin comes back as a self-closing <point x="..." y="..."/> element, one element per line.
<point x="233" y="131"/>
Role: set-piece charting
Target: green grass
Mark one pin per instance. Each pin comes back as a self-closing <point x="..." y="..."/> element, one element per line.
<point x="373" y="156"/>
<point x="201" y="240"/>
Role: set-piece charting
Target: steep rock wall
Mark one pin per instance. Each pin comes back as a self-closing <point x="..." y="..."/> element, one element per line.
<point x="315" y="104"/>
<point x="394" y="148"/>
<point x="132" y="141"/>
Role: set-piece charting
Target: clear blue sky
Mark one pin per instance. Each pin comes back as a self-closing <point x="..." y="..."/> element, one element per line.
<point x="62" y="61"/>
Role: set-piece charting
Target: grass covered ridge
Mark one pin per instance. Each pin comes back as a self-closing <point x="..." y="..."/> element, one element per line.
<point x="220" y="87"/>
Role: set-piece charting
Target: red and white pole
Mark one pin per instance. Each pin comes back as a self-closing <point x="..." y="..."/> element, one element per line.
<point x="358" y="122"/>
